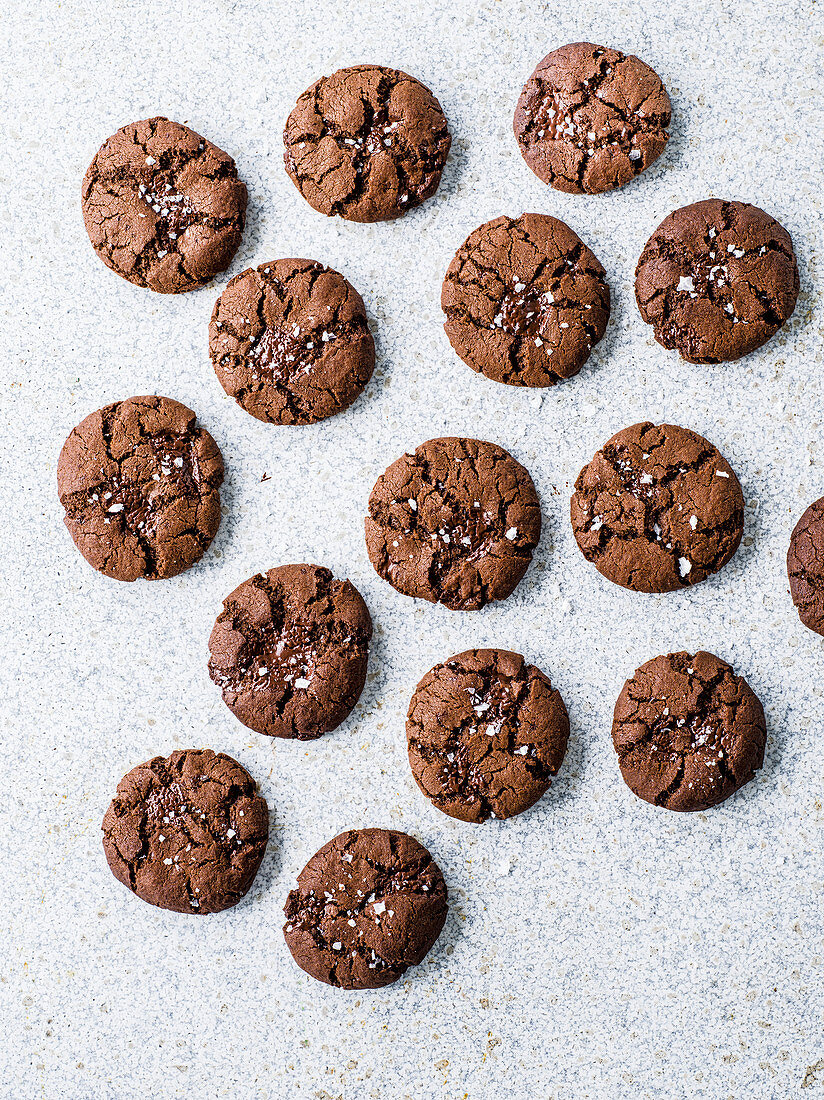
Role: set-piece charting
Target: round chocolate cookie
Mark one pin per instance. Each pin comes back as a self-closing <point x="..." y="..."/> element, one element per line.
<point x="688" y="731"/>
<point x="591" y="119"/>
<point x="163" y="207"/>
<point x="187" y="832"/>
<point x="805" y="567"/>
<point x="657" y="509"/>
<point x="454" y="523"/>
<point x="289" y="651"/>
<point x="368" y="905"/>
<point x="368" y="143"/>
<point x="140" y="482"/>
<point x="485" y="733"/>
<point x="716" y="280"/>
<point x="289" y="341"/>
<point x="525" y="301"/>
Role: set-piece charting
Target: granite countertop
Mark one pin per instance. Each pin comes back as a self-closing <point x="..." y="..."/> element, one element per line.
<point x="596" y="946"/>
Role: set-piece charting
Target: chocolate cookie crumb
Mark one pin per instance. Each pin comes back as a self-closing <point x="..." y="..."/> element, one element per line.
<point x="367" y="143"/>
<point x="486" y="733"/>
<point x="140" y="481"/>
<point x="163" y="207"/>
<point x="688" y="731"/>
<point x="187" y="832"/>
<point x="368" y="905"/>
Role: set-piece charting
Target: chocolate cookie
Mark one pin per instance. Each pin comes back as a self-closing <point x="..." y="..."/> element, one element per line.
<point x="454" y="523"/>
<point x="289" y="341"/>
<point x="163" y="207"/>
<point x="187" y="832"/>
<point x="805" y="567"/>
<point x="591" y="119"/>
<point x="688" y="731"/>
<point x="368" y="905"/>
<point x="289" y="651"/>
<point x="368" y="143"/>
<point x="525" y="301"/>
<point x="485" y="733"/>
<point x="657" y="509"/>
<point x="716" y="280"/>
<point x="140" y="481"/>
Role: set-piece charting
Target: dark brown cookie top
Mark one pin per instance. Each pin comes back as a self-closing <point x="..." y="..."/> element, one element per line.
<point x="289" y="341"/>
<point x="657" y="509"/>
<point x="454" y="523"/>
<point x="590" y="119"/>
<point x="140" y="482"/>
<point x="716" y="280"/>
<point x="289" y="651"/>
<point x="163" y="207"/>
<point x="485" y="733"/>
<point x="368" y="143"/>
<point x="187" y="832"/>
<point x="805" y="567"/>
<point x="368" y="905"/>
<point x="525" y="301"/>
<point x="688" y="731"/>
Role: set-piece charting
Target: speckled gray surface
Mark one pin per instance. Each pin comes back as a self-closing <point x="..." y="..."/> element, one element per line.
<point x="596" y="946"/>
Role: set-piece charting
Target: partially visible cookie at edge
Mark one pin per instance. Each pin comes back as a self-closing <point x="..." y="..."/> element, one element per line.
<point x="688" y="731"/>
<point x="590" y="119"/>
<point x="486" y="733"/>
<point x="187" y="832"/>
<point x="140" y="484"/>
<point x="657" y="509"/>
<point x="716" y="280"/>
<point x="368" y="143"/>
<point x="455" y="522"/>
<point x="368" y="905"/>
<point x="163" y="206"/>
<point x="525" y="301"/>
<point x="805" y="567"/>
<point x="289" y="651"/>
<point x="290" y="342"/>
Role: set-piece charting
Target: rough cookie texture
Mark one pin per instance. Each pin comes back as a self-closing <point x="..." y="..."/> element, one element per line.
<point x="187" y="832"/>
<point x="163" y="207"/>
<point x="716" y="280"/>
<point x="140" y="482"/>
<point x="454" y="523"/>
<point x="289" y="341"/>
<point x="369" y="904"/>
<point x="590" y="119"/>
<point x="485" y="733"/>
<point x="289" y="651"/>
<point x="368" y="143"/>
<point x="805" y="567"/>
<point x="688" y="731"/>
<point x="525" y="301"/>
<point x="657" y="509"/>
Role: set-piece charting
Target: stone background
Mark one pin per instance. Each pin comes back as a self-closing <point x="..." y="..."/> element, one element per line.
<point x="596" y="946"/>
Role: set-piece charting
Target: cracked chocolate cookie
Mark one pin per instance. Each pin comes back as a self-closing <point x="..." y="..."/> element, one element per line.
<point x="289" y="341"/>
<point x="368" y="143"/>
<point x="525" y="301"/>
<point x="163" y="207"/>
<point x="657" y="509"/>
<point x="805" y="567"/>
<point x="454" y="523"/>
<point x="187" y="832"/>
<point x="140" y="482"/>
<point x="590" y="119"/>
<point x="368" y="905"/>
<point x="688" y="731"/>
<point x="716" y="280"/>
<point x="289" y="651"/>
<point x="486" y="733"/>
